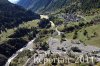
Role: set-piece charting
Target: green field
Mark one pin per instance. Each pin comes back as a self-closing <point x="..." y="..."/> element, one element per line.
<point x="93" y="40"/>
<point x="4" y="35"/>
<point x="90" y="38"/>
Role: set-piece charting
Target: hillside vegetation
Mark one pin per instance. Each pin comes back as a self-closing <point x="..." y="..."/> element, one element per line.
<point x="12" y="15"/>
<point x="76" y="19"/>
<point x="52" y="6"/>
<point x="12" y="21"/>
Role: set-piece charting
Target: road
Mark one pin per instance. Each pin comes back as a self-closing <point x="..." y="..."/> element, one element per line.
<point x="27" y="47"/>
<point x="55" y="43"/>
<point x="53" y="26"/>
<point x="82" y="17"/>
<point x="44" y="17"/>
<point x="30" y="61"/>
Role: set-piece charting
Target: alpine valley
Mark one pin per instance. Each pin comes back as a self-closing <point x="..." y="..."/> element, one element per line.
<point x="34" y="31"/>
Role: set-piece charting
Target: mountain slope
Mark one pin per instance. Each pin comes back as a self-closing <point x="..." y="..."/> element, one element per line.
<point x="12" y="15"/>
<point x="4" y="1"/>
<point x="34" y="5"/>
<point x="38" y="5"/>
<point x="53" y="5"/>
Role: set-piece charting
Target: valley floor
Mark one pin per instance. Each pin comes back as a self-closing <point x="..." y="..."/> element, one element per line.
<point x="65" y="48"/>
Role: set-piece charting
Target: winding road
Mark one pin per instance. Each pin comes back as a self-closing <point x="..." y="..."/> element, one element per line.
<point x="30" y="61"/>
<point x="53" y="26"/>
<point x="82" y="17"/>
<point x="55" y="43"/>
<point x="28" y="47"/>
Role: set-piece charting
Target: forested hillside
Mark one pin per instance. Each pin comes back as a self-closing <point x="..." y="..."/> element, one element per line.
<point x="53" y="5"/>
<point x="73" y="19"/>
<point x="12" y="15"/>
<point x="42" y="5"/>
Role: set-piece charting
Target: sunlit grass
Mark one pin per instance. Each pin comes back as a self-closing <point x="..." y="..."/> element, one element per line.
<point x="4" y="35"/>
<point x="93" y="40"/>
